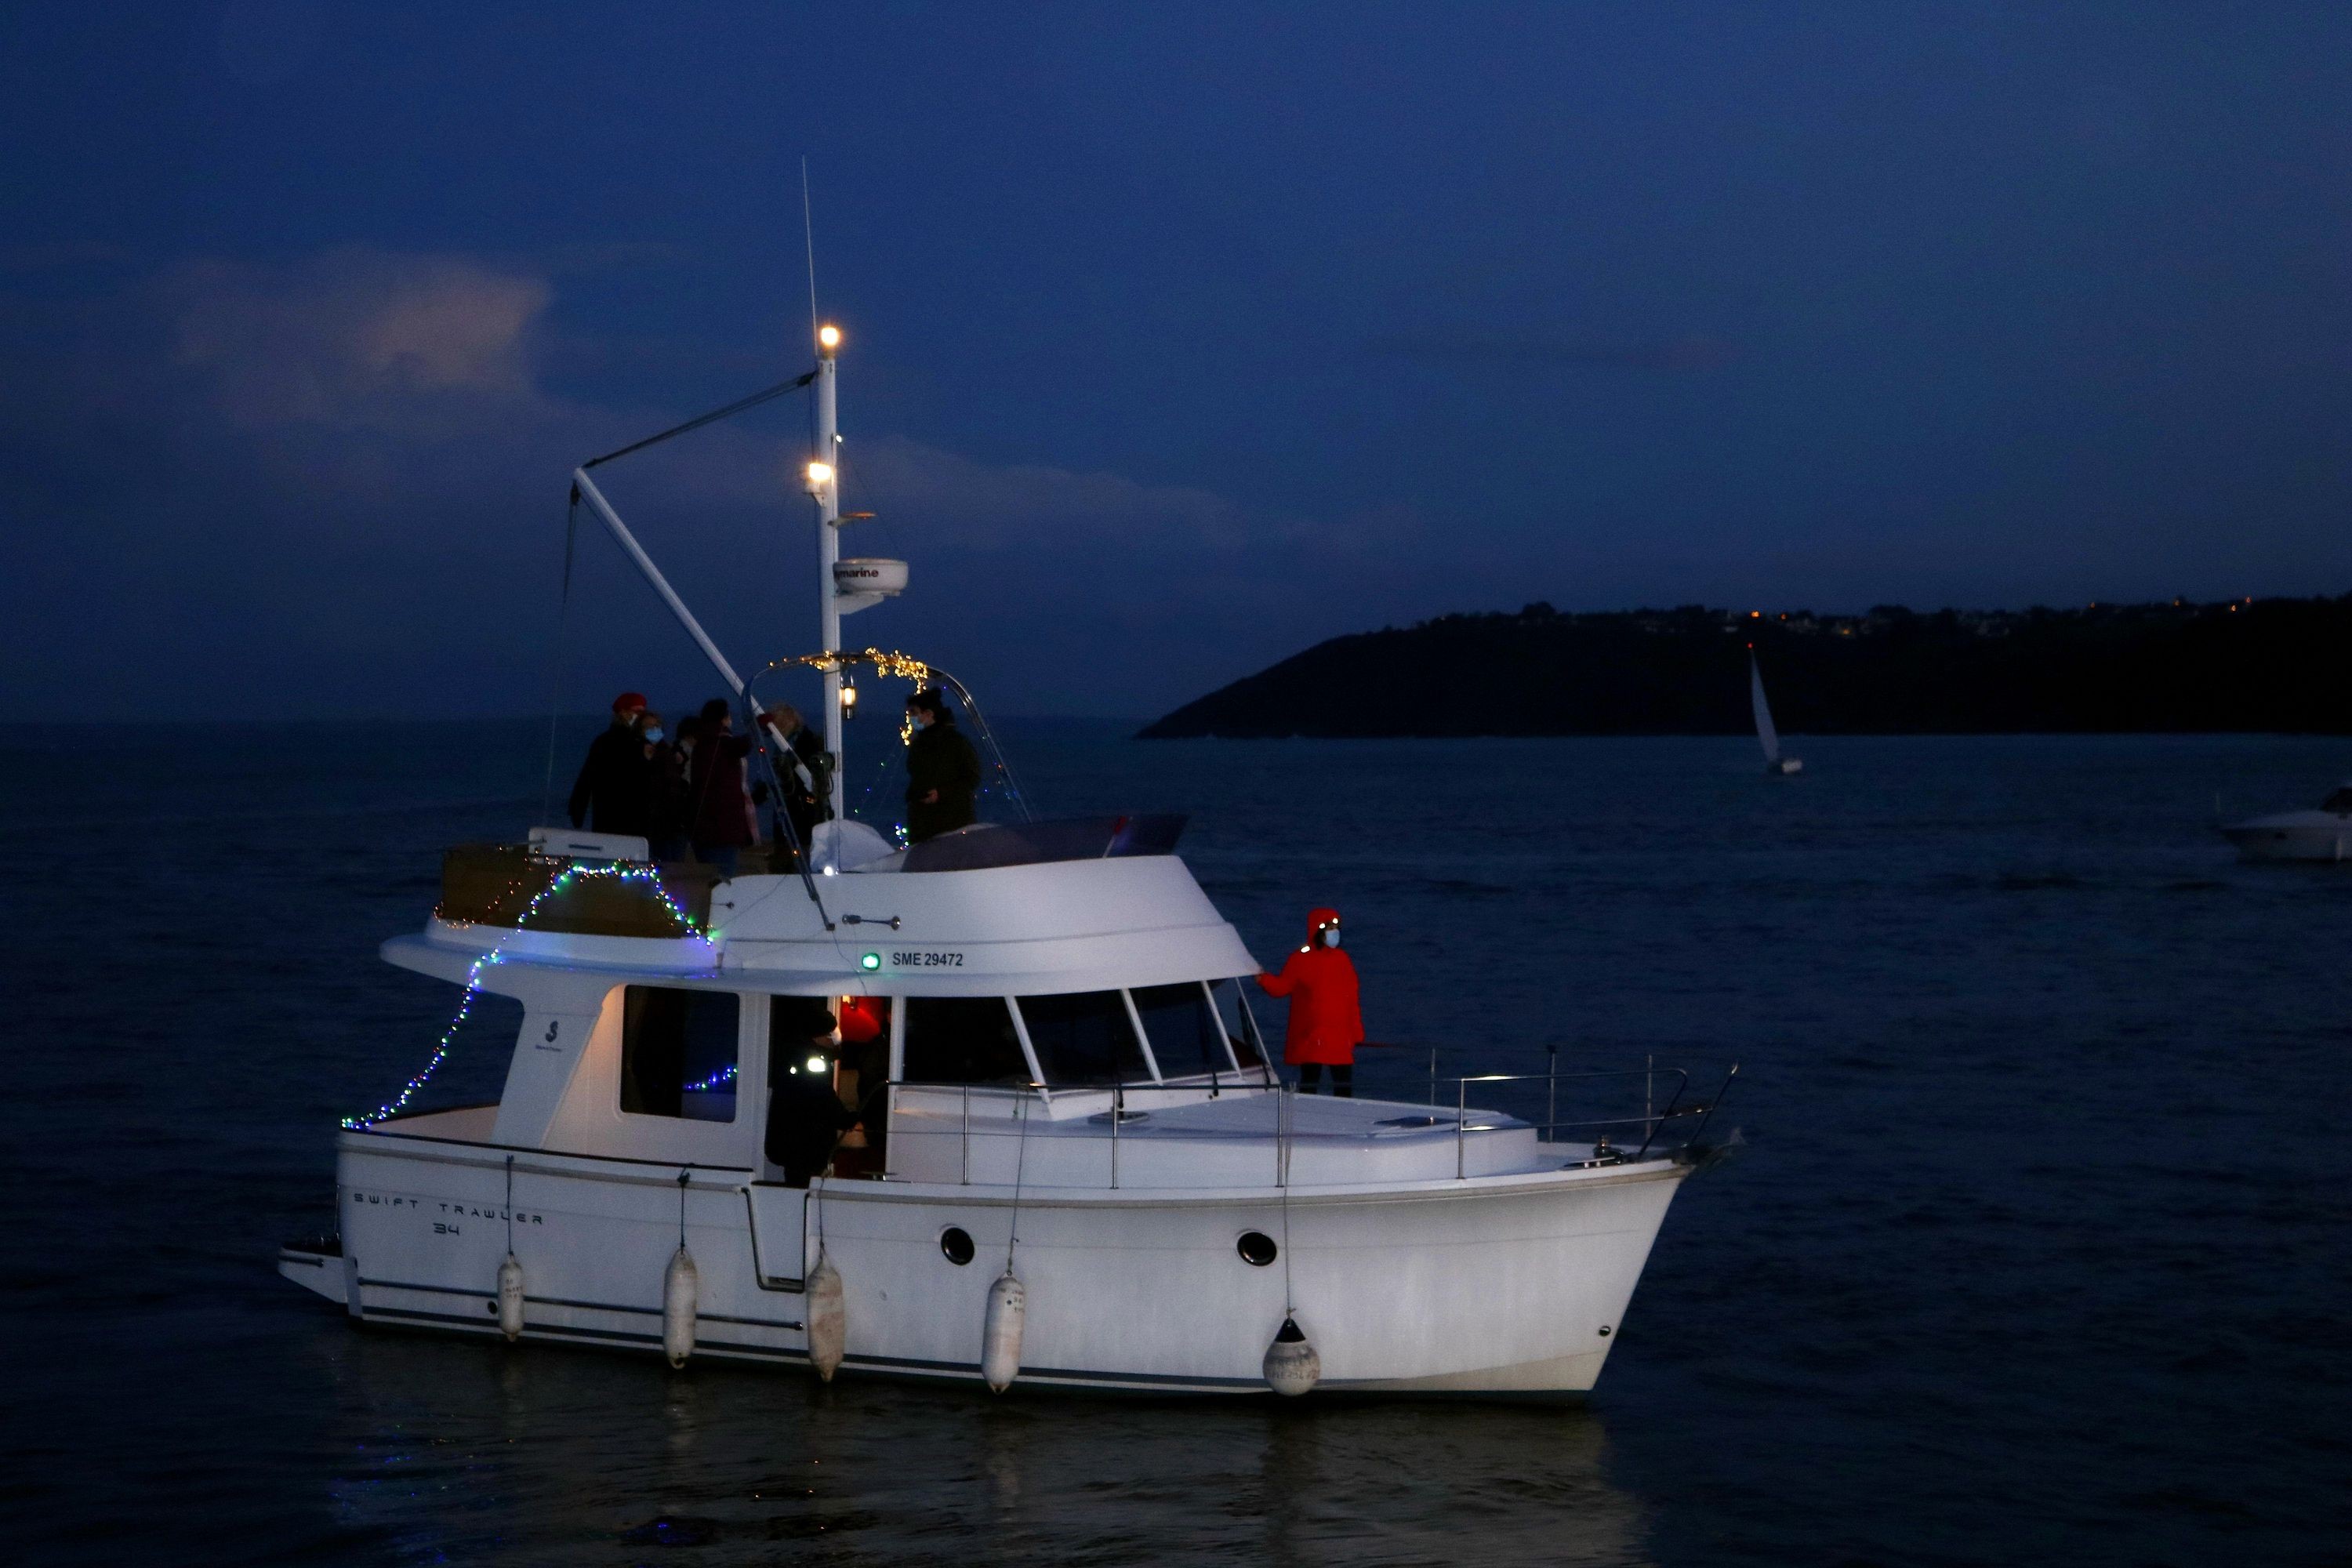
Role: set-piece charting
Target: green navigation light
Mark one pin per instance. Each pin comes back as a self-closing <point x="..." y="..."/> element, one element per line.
<point x="870" y="962"/>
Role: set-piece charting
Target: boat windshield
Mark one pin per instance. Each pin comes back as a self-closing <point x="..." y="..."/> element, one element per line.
<point x="1241" y="1028"/>
<point x="1083" y="1038"/>
<point x="1187" y="1037"/>
<point x="962" y="1039"/>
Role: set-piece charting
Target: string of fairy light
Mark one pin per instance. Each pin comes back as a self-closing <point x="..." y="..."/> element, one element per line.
<point x="619" y="871"/>
<point x="904" y="667"/>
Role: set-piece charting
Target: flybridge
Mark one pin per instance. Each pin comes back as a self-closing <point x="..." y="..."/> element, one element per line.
<point x="1065" y="925"/>
<point x="845" y="586"/>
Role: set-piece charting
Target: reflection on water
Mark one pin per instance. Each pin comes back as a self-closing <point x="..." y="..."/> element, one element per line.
<point x="547" y="1453"/>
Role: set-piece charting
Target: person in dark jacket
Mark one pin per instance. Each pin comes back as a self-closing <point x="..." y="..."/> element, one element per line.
<point x="722" y="799"/>
<point x="614" y="791"/>
<point x="943" y="770"/>
<point x="805" y="802"/>
<point x="805" y="1116"/>
<point x="671" y="794"/>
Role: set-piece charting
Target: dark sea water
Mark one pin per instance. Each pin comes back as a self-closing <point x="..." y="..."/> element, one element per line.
<point x="2041" y="1247"/>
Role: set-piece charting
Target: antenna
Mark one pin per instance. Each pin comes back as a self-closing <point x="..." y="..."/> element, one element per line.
<point x="824" y="477"/>
<point x="808" y="232"/>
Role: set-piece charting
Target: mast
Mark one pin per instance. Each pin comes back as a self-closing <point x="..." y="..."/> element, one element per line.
<point x="824" y="485"/>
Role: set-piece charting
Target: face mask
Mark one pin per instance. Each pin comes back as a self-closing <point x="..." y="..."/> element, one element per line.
<point x="1331" y="937"/>
<point x="921" y="720"/>
<point x="655" y="733"/>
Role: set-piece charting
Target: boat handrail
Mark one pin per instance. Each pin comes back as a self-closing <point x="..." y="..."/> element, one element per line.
<point x="1649" y="1124"/>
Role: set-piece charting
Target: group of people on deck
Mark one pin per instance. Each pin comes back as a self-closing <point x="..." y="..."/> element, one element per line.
<point x="695" y="794"/>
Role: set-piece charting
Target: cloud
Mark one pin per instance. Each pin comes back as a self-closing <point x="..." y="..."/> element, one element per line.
<point x="351" y="362"/>
<point x="1021" y="505"/>
<point x="376" y="444"/>
<point x="357" y="339"/>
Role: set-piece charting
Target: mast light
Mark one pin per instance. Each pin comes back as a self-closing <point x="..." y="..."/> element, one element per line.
<point x="828" y="337"/>
<point x="820" y="474"/>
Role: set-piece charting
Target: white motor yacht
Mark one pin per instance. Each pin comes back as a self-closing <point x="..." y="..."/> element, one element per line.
<point x="1075" y="1166"/>
<point x="2324" y="833"/>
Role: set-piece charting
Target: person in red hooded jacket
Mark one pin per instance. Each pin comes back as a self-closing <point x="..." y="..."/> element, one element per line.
<point x="1327" y="1023"/>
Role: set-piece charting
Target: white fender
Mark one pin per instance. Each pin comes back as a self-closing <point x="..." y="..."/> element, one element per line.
<point x="679" y="1284"/>
<point x="828" y="1317"/>
<point x="1000" y="1337"/>
<point x="510" y="1298"/>
<point x="1292" y="1367"/>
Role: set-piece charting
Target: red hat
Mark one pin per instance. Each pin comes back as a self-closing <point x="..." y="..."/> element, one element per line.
<point x="629" y="702"/>
<point x="1318" y="918"/>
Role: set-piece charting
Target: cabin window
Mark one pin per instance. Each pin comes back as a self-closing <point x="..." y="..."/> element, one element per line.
<point x="678" y="1053"/>
<point x="962" y="1039"/>
<point x="1083" y="1038"/>
<point x="1241" y="1029"/>
<point x="1186" y="1040"/>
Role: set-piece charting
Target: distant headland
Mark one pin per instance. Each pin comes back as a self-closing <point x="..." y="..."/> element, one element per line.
<point x="2173" y="667"/>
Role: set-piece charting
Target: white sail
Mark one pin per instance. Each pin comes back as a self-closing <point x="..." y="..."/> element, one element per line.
<point x="1765" y="734"/>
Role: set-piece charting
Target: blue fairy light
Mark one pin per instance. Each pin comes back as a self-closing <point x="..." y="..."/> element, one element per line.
<point x="619" y="871"/>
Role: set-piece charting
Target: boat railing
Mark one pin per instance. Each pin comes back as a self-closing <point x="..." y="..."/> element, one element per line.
<point x="1653" y="1120"/>
<point x="1611" y="1135"/>
<point x="1673" y="1081"/>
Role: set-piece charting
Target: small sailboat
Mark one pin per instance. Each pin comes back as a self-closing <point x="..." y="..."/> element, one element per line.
<point x="1766" y="735"/>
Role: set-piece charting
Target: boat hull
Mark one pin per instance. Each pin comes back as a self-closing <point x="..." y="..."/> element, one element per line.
<point x="2330" y="840"/>
<point x="1513" y="1285"/>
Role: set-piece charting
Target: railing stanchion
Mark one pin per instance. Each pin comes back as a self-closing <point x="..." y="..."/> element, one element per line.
<point x="1281" y="1113"/>
<point x="1118" y="1100"/>
<point x="1432" y="1078"/>
<point x="1663" y="1118"/>
<point x="1551" y="1090"/>
<point x="1461" y="1114"/>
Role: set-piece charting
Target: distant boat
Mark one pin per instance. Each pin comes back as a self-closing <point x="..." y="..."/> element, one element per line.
<point x="2324" y="833"/>
<point x="1767" y="736"/>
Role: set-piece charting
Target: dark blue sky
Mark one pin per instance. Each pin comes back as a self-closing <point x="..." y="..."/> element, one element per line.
<point x="1178" y="338"/>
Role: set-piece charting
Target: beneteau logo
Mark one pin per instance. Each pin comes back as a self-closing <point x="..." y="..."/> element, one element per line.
<point x="451" y="1212"/>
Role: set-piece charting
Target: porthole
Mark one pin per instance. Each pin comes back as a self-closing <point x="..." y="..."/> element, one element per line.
<point x="955" y="1246"/>
<point x="1257" y="1249"/>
